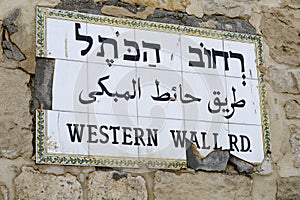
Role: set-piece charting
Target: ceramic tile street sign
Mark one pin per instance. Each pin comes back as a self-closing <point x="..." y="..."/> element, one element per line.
<point x="127" y="92"/>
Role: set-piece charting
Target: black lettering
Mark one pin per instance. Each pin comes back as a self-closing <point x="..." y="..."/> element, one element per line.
<point x="179" y="138"/>
<point x="203" y="141"/>
<point x="152" y="136"/>
<point x="138" y="136"/>
<point x="125" y="135"/>
<point x="114" y="128"/>
<point x="104" y="134"/>
<point x="194" y="138"/>
<point x="92" y="133"/>
<point x="216" y="142"/>
<point x="232" y="142"/>
<point x="74" y="134"/>
<point x="243" y="138"/>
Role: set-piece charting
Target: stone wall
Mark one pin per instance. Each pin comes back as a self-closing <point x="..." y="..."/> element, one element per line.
<point x="20" y="178"/>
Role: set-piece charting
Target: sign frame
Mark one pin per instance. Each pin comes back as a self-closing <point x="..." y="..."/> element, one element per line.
<point x="43" y="157"/>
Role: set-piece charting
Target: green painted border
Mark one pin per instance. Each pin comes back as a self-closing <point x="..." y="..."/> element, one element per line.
<point x="43" y="13"/>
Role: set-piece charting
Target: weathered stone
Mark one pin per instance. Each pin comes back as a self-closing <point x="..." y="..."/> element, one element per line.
<point x="264" y="187"/>
<point x="15" y="120"/>
<point x="9" y="169"/>
<point x="12" y="18"/>
<point x="288" y="188"/>
<point x="266" y="166"/>
<point x="240" y="165"/>
<point x="13" y="52"/>
<point x="32" y="184"/>
<point x="284" y="48"/>
<point x="285" y="81"/>
<point x="86" y="6"/>
<point x="201" y="186"/>
<point x="214" y="21"/>
<point x="3" y="192"/>
<point x="292" y="109"/>
<point x="179" y="5"/>
<point x="195" y="8"/>
<point x="291" y="3"/>
<point x="215" y="161"/>
<point x="132" y="8"/>
<point x="295" y="143"/>
<point x="123" y="12"/>
<point x="43" y="83"/>
<point x="115" y="185"/>
<point x="240" y="8"/>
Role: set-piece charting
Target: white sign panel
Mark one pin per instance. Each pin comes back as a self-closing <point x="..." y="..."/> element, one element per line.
<point x="128" y="91"/>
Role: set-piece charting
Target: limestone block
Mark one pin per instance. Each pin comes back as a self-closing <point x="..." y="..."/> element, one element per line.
<point x="195" y="8"/>
<point x="31" y="184"/>
<point x="201" y="186"/>
<point x="3" y="192"/>
<point x="280" y="28"/>
<point x="285" y="81"/>
<point x="112" y="185"/>
<point x="288" y="188"/>
<point x="178" y="5"/>
<point x="241" y="8"/>
<point x="292" y="109"/>
<point x="15" y="119"/>
<point x="295" y="143"/>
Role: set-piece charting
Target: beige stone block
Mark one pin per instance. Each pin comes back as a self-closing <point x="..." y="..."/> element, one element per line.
<point x="241" y="8"/>
<point x="3" y="192"/>
<point x="288" y="188"/>
<point x="24" y="38"/>
<point x="123" y="12"/>
<point x="285" y="81"/>
<point x="280" y="28"/>
<point x="292" y="109"/>
<point x="178" y="5"/>
<point x="195" y="8"/>
<point x="32" y="184"/>
<point x="15" y="119"/>
<point x="115" y="185"/>
<point x="264" y="187"/>
<point x="295" y="143"/>
<point x="9" y="169"/>
<point x="201" y="186"/>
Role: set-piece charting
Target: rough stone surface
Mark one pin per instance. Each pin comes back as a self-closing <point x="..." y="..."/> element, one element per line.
<point x="43" y="83"/>
<point x="240" y="8"/>
<point x="195" y="8"/>
<point x="292" y="109"/>
<point x="214" y="21"/>
<point x="201" y="186"/>
<point x="3" y="192"/>
<point x="9" y="22"/>
<point x="115" y="185"/>
<point x="215" y="161"/>
<point x="179" y="5"/>
<point x="295" y="143"/>
<point x="240" y="165"/>
<point x="15" y="120"/>
<point x="9" y="169"/>
<point x="288" y="188"/>
<point x="123" y="12"/>
<point x="285" y="81"/>
<point x="86" y="6"/>
<point x="31" y="184"/>
<point x="284" y="48"/>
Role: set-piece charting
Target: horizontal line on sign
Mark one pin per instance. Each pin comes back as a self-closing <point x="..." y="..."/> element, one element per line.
<point x="159" y="69"/>
<point x="166" y="118"/>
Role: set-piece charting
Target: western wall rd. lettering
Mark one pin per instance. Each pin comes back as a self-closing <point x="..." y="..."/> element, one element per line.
<point x="104" y="134"/>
